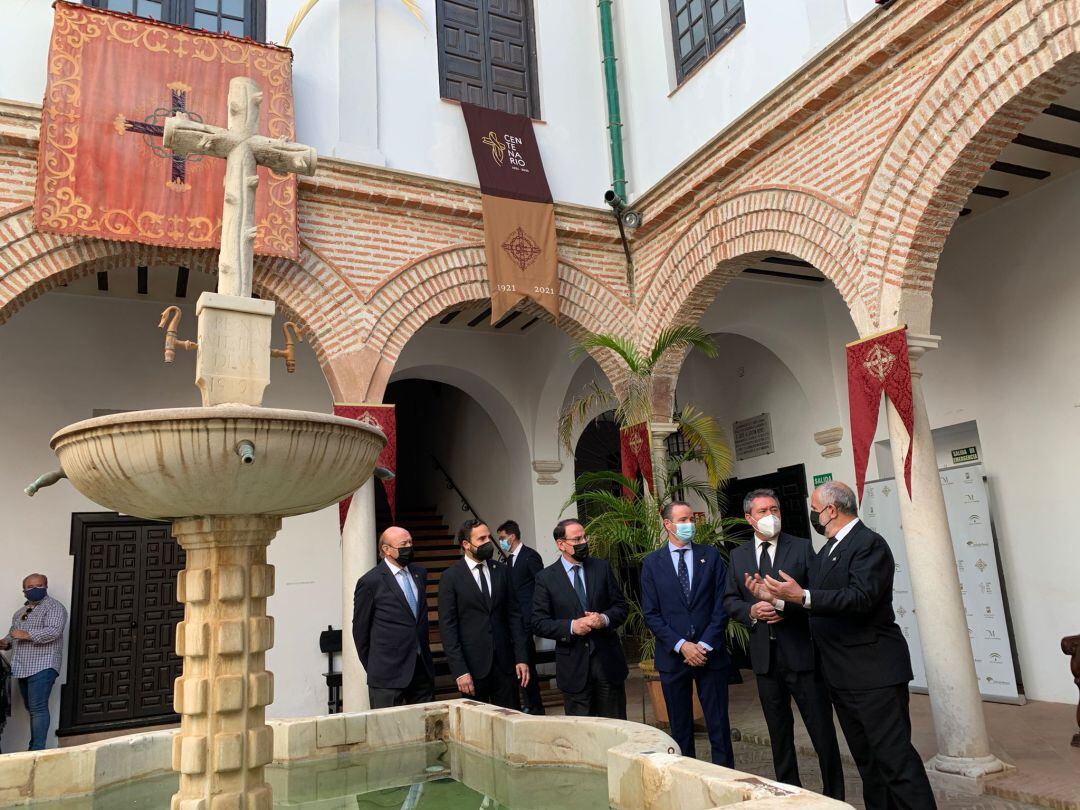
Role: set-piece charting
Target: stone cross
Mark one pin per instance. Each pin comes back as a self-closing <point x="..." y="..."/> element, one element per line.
<point x="242" y="149"/>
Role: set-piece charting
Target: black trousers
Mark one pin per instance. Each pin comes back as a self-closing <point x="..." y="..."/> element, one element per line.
<point x="712" y="689"/>
<point x="775" y="690"/>
<point x="421" y="689"/>
<point x="877" y="725"/>
<point x="498" y="688"/>
<point x="533" y="703"/>
<point x="599" y="698"/>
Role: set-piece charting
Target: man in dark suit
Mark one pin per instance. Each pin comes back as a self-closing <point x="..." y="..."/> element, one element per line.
<point x="682" y="599"/>
<point x="480" y="622"/>
<point x="781" y="652"/>
<point x="390" y="626"/>
<point x="864" y="656"/>
<point x="579" y="603"/>
<point x="524" y="563"/>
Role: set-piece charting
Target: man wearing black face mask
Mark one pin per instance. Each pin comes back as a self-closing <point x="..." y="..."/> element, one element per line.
<point x="390" y="626"/>
<point x="480" y="622"/>
<point x="579" y="603"/>
<point x="36" y="635"/>
<point x="864" y="656"/>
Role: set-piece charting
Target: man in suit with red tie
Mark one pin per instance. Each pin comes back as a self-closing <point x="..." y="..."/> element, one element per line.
<point x="781" y="652"/>
<point x="390" y="626"/>
<point x="865" y="659"/>
<point x="682" y="598"/>
<point x="480" y="622"/>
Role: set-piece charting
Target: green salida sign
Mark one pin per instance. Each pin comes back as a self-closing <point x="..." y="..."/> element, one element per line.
<point x="964" y="454"/>
<point x="821" y="479"/>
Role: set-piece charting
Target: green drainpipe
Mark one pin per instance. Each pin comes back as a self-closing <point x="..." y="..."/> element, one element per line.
<point x="611" y="85"/>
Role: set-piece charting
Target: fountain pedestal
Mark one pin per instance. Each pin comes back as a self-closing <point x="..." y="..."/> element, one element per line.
<point x="224" y="741"/>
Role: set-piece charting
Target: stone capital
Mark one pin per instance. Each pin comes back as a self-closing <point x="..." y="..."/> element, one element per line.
<point x="830" y="441"/>
<point x="545" y="470"/>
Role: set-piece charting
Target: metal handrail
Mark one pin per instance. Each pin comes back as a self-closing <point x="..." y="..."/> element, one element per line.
<point x="465" y="505"/>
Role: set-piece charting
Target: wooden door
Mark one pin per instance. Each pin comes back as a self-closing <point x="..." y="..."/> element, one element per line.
<point x="121" y="661"/>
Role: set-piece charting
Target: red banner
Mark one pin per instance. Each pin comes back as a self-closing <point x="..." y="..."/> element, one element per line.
<point x="877" y="364"/>
<point x="636" y="453"/>
<point x="384" y="418"/>
<point x="102" y="168"/>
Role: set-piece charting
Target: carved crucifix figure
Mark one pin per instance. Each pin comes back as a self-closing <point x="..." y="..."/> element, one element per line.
<point x="242" y="149"/>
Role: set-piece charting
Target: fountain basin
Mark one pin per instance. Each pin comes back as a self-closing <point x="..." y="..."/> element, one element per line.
<point x="181" y="462"/>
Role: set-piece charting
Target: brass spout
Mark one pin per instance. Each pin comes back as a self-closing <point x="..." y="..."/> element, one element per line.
<point x="46" y="480"/>
<point x="171" y="343"/>
<point x="289" y="352"/>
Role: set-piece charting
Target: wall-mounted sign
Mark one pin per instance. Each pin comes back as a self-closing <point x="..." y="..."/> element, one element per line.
<point x="821" y="479"/>
<point x="753" y="437"/>
<point x="962" y="455"/>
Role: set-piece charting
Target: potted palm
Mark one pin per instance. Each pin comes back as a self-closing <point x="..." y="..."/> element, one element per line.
<point x="622" y="516"/>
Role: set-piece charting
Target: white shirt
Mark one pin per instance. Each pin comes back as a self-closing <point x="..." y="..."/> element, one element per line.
<point x="404" y="581"/>
<point x="512" y="554"/>
<point x="835" y="540"/>
<point x="774" y="544"/>
<point x="483" y="572"/>
<point x="688" y="555"/>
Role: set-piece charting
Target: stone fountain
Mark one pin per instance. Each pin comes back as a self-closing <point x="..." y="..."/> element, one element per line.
<point x="224" y="474"/>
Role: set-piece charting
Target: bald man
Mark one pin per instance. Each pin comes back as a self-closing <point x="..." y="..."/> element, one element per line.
<point x="390" y="626"/>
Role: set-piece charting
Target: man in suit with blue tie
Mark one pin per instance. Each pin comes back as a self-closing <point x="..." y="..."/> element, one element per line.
<point x="682" y="599"/>
<point x="781" y="652"/>
<point x="390" y="626"/>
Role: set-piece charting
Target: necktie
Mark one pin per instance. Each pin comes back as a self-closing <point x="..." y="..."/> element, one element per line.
<point x="579" y="586"/>
<point x="410" y="597"/>
<point x="483" y="583"/>
<point x="765" y="561"/>
<point x="684" y="573"/>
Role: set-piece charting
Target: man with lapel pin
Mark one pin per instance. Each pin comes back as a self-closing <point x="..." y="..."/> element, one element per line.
<point x="682" y="599"/>
<point x="480" y="622"/>
<point x="390" y="626"/>
<point x="524" y="563"/>
<point x="579" y="603"/>
<point x="864" y="656"/>
<point x="781" y="652"/>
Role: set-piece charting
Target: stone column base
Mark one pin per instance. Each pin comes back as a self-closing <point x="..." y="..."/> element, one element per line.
<point x="964" y="774"/>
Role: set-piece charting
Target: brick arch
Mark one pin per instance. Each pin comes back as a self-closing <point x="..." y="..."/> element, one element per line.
<point x="1007" y="72"/>
<point x="311" y="292"/>
<point x="412" y="296"/>
<point x="731" y="235"/>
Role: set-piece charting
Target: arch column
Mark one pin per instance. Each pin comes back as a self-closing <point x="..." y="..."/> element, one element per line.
<point x="358" y="556"/>
<point x="964" y="758"/>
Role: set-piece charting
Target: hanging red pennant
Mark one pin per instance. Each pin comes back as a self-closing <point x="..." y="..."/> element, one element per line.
<point x="636" y="453"/>
<point x="876" y="364"/>
<point x="384" y="418"/>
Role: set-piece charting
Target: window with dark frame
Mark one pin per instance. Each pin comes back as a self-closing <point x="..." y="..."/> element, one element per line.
<point x="699" y="27"/>
<point x="241" y="18"/>
<point x="487" y="54"/>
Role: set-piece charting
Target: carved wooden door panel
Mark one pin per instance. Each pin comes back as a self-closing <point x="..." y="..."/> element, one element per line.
<point x="121" y="661"/>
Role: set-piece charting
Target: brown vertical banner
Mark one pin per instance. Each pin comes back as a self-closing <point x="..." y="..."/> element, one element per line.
<point x="519" y="216"/>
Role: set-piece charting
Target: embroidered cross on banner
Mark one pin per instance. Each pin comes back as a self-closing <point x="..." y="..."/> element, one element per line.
<point x="153" y="126"/>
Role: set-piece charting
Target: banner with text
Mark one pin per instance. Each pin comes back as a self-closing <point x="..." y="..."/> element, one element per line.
<point x="519" y="215"/>
<point x="978" y="568"/>
<point x="385" y="419"/>
<point x="103" y="171"/>
<point x="876" y="364"/>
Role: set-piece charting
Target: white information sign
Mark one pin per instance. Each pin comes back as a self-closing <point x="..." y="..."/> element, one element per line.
<point x="968" y="508"/>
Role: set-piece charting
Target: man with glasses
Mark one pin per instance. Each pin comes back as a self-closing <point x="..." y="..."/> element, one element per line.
<point x="579" y="604"/>
<point x="37" y="638"/>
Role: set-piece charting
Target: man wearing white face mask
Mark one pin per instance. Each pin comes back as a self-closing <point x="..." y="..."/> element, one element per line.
<point x="781" y="651"/>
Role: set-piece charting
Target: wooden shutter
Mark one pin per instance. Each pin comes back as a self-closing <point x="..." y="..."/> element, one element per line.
<point x="699" y="27"/>
<point x="486" y="54"/>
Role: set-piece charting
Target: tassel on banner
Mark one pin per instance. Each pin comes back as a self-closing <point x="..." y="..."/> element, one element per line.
<point x="877" y="364"/>
<point x="636" y="453"/>
<point x="384" y="418"/>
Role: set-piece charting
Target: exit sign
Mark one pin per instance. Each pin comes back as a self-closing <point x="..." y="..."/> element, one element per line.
<point x="821" y="479"/>
<point x="962" y="454"/>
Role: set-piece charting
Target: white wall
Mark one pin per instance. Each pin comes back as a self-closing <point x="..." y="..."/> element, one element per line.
<point x="64" y="355"/>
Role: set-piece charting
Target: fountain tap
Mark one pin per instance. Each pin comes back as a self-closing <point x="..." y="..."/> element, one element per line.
<point x="46" y="480"/>
<point x="171" y="343"/>
<point x="289" y="352"/>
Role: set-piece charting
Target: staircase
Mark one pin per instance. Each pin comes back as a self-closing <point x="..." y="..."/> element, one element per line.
<point x="435" y="549"/>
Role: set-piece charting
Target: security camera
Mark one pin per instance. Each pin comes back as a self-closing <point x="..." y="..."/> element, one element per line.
<point x="630" y="219"/>
<point x="614" y="200"/>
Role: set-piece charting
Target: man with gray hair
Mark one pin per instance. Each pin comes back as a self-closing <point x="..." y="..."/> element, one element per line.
<point x="864" y="656"/>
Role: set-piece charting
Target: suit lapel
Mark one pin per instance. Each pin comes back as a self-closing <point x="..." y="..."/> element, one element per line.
<point x="837" y="553"/>
<point x="395" y="586"/>
<point x="591" y="585"/>
<point x="782" y="555"/>
<point x="564" y="578"/>
<point x="697" y="566"/>
<point x="668" y="565"/>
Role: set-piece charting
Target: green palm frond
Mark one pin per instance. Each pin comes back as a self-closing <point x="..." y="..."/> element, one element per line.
<point x="705" y="437"/>
<point x="680" y="337"/>
<point x="581" y="408"/>
<point x="622" y="347"/>
<point x="412" y="5"/>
